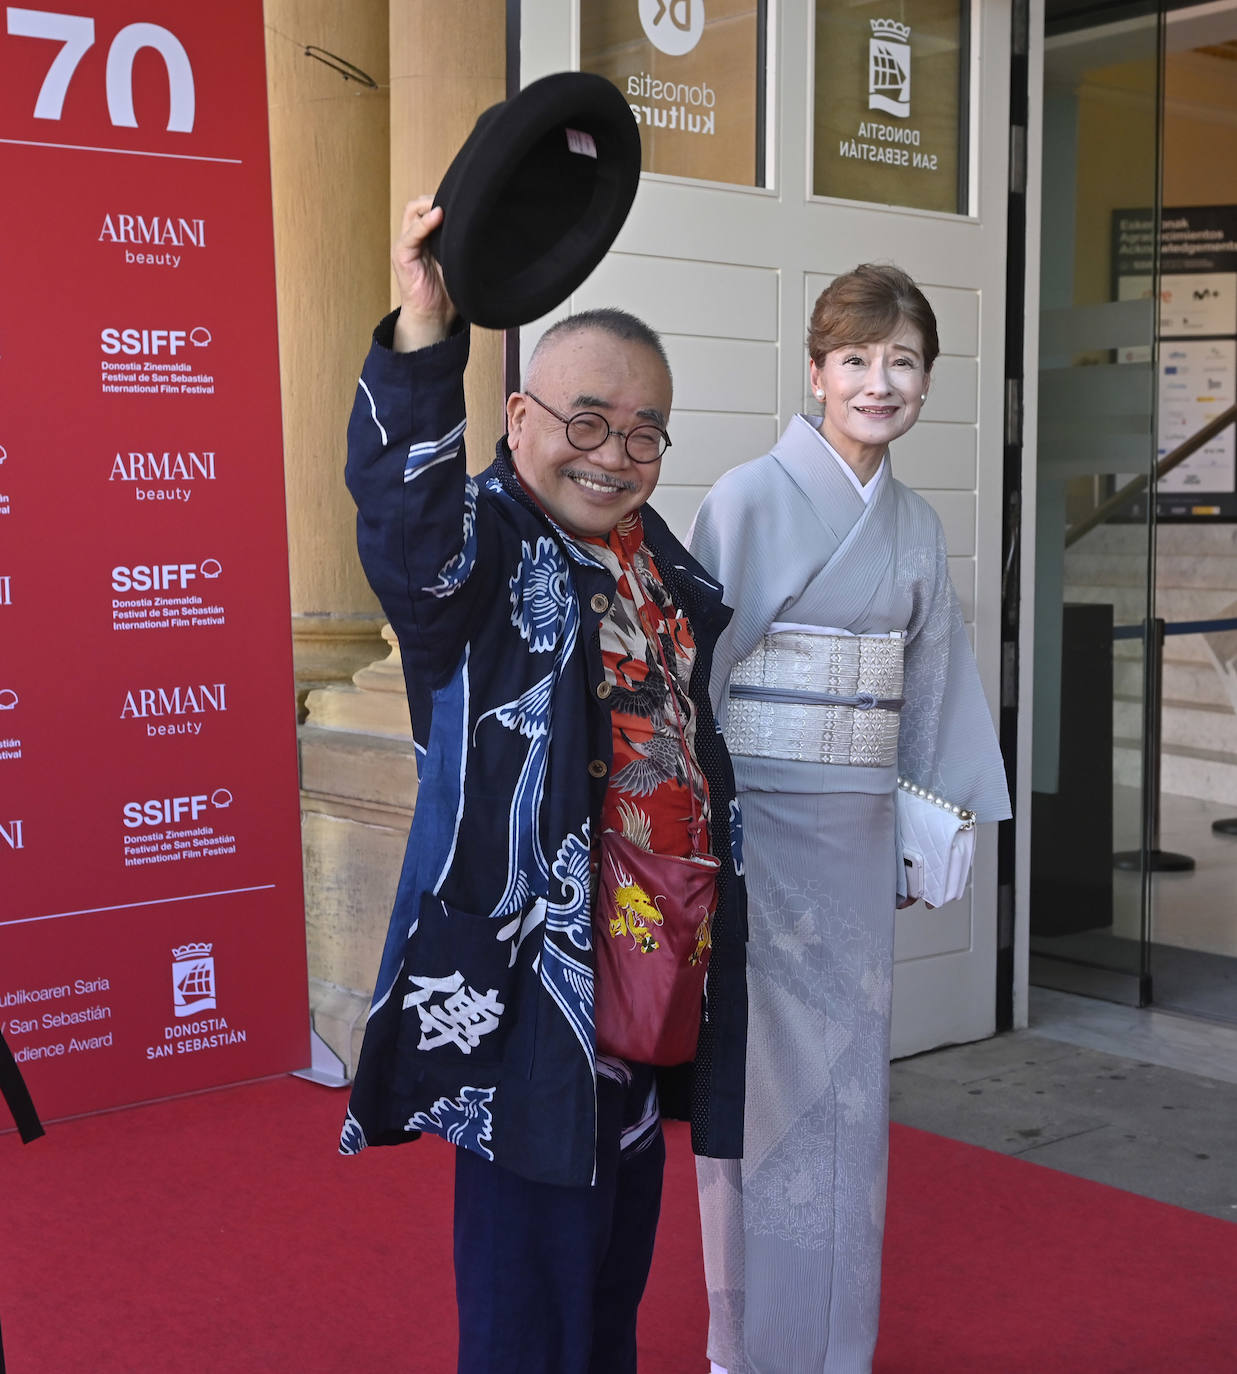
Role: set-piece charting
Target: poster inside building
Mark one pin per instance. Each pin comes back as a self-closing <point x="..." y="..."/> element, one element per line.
<point x="1197" y="327"/>
<point x="151" y="911"/>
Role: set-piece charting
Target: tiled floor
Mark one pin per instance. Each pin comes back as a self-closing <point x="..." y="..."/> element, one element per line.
<point x="1142" y="1100"/>
<point x="1163" y="1038"/>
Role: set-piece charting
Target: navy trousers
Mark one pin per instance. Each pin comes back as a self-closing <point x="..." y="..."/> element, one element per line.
<point x="548" y="1279"/>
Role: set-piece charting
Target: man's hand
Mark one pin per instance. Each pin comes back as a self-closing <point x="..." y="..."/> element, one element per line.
<point x="425" y="310"/>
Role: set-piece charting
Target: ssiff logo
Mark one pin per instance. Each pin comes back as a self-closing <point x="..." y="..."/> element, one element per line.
<point x="150" y="343"/>
<point x="889" y="67"/>
<point x="193" y="979"/>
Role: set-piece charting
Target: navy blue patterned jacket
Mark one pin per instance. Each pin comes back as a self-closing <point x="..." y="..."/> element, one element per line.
<point x="481" y="1028"/>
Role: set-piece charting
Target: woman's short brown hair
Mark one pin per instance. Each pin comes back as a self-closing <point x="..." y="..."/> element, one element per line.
<point x="867" y="305"/>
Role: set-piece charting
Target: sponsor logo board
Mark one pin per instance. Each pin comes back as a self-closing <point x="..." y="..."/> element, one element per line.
<point x="148" y="143"/>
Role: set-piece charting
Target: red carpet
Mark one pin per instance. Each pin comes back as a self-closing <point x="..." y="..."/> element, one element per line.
<point x="222" y="1232"/>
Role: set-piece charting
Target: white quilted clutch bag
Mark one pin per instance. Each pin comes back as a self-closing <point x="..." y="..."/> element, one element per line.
<point x="936" y="839"/>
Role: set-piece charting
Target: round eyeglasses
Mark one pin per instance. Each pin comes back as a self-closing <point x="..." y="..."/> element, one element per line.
<point x="587" y="430"/>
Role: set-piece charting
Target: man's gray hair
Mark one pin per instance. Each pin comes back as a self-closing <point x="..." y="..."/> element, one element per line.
<point x="606" y="320"/>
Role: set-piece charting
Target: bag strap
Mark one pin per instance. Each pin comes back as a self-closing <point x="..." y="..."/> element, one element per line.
<point x="17" y="1095"/>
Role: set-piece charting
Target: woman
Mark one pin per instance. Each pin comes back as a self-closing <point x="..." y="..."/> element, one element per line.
<point x="837" y="574"/>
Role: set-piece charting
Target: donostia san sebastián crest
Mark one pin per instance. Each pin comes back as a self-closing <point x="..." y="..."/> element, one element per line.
<point x="869" y="144"/>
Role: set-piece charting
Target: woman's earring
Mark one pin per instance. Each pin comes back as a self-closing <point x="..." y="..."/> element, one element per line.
<point x="820" y="395"/>
<point x="923" y="397"/>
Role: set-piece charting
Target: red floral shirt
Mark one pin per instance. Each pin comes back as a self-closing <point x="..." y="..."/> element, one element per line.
<point x="642" y="636"/>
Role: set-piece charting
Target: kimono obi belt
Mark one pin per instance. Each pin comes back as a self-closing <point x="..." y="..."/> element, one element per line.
<point x="818" y="698"/>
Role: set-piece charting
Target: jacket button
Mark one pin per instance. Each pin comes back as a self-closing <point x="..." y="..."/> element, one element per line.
<point x="603" y="690"/>
<point x="600" y="603"/>
<point x="597" y="769"/>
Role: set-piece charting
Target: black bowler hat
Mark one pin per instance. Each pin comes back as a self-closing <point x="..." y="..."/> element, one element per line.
<point x="535" y="197"/>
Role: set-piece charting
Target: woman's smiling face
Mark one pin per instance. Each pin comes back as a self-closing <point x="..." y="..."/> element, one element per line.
<point x="873" y="392"/>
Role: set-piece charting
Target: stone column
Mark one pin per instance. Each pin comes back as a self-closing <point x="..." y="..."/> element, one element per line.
<point x="357" y="769"/>
<point x="329" y="156"/>
<point x="443" y="75"/>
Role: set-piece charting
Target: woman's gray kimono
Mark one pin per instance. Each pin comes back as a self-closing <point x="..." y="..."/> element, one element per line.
<point x="792" y="1234"/>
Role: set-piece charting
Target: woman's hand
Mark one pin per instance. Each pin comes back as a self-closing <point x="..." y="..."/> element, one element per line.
<point x="426" y="312"/>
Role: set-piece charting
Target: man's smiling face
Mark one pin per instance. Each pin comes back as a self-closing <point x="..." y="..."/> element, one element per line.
<point x="588" y="369"/>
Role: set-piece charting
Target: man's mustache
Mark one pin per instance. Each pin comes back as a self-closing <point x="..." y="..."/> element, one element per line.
<point x="604" y="478"/>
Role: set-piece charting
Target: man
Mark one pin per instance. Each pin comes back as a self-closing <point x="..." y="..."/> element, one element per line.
<point x="537" y="723"/>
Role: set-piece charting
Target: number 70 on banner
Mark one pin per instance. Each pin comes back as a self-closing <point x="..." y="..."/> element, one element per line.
<point x="76" y="35"/>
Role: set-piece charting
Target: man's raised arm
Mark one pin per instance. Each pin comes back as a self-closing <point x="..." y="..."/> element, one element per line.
<point x="416" y="525"/>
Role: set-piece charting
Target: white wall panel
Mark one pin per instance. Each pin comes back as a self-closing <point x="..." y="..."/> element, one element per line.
<point x="949" y="931"/>
<point x="936" y="455"/>
<point x="677" y="505"/>
<point x="962" y="575"/>
<point x="957" y="512"/>
<point x="680" y="296"/>
<point x="955" y="390"/>
<point x="709" y="442"/>
<point x="957" y="319"/>
<point x="723" y="374"/>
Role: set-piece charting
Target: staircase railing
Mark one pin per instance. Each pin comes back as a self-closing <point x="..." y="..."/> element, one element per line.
<point x="1166" y="464"/>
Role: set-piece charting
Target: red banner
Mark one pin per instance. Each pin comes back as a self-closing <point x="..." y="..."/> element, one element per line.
<point x="151" y="914"/>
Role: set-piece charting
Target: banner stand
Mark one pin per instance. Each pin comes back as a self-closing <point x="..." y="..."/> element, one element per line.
<point x="326" y="1067"/>
<point x="152" y="912"/>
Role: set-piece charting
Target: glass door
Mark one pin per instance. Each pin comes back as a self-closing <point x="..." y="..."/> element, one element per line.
<point x="1093" y="773"/>
<point x="1193" y="955"/>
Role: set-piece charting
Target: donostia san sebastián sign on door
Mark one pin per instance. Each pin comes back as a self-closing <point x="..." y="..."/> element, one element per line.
<point x="691" y="72"/>
<point x="891" y="80"/>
